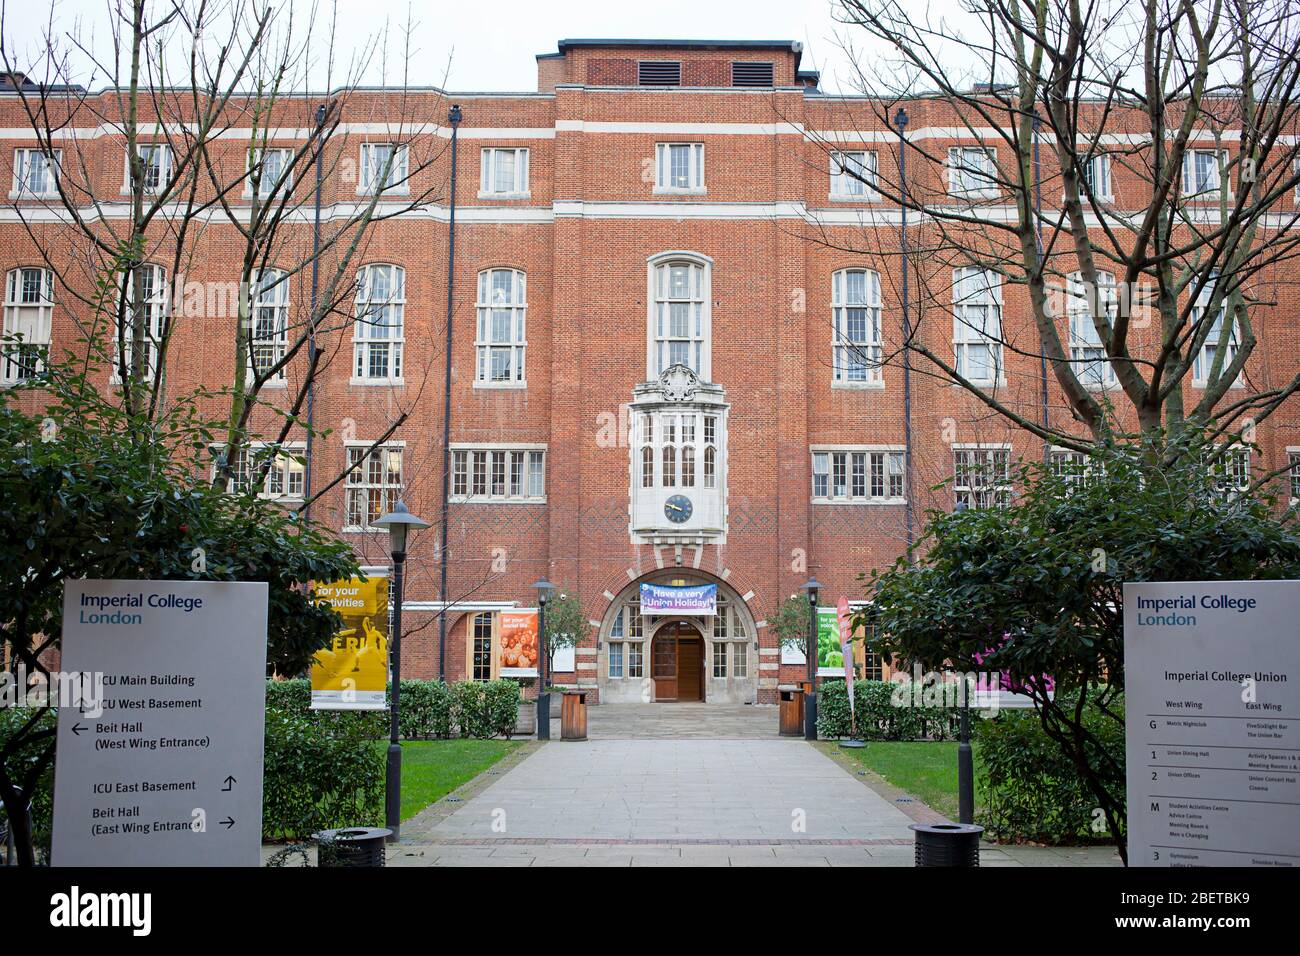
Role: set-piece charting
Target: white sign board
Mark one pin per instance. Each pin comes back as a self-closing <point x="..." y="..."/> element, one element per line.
<point x="1212" y="680"/>
<point x="167" y="770"/>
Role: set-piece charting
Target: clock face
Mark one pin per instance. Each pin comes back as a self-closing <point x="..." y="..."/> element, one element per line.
<point x="678" y="508"/>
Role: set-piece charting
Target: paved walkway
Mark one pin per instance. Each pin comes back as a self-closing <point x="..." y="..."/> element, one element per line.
<point x="682" y="785"/>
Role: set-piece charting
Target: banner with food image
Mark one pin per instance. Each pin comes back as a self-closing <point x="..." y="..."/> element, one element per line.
<point x="517" y="646"/>
<point x="352" y="673"/>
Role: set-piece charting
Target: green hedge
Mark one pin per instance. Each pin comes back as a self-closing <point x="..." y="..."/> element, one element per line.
<point x="11" y="719"/>
<point x="318" y="777"/>
<point x="430" y="709"/>
<point x="1029" y="789"/>
<point x="877" y="717"/>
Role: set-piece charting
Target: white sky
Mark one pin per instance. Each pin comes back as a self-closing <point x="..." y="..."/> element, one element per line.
<point x="489" y="46"/>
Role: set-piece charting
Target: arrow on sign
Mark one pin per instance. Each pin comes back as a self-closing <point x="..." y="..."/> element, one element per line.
<point x="230" y="782"/>
<point x="77" y="728"/>
<point x="228" y="822"/>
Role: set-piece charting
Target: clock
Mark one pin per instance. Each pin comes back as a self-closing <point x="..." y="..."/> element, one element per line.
<point x="678" y="508"/>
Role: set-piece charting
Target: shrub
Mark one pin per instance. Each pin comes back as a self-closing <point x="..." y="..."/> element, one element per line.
<point x="878" y="717"/>
<point x="427" y="710"/>
<point x="430" y="709"/>
<point x="1030" y="788"/>
<point x="486" y="708"/>
<point x="11" y="719"/>
<point x="318" y="776"/>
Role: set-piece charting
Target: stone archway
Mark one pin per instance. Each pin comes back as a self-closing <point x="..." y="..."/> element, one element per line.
<point x="728" y="659"/>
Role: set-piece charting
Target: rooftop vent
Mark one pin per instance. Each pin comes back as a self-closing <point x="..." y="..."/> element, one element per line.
<point x="659" y="73"/>
<point x="751" y="74"/>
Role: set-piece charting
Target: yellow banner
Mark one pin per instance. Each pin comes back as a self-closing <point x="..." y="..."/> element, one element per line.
<point x="352" y="673"/>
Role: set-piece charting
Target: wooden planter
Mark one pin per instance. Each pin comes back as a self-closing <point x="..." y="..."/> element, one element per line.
<point x="526" y="724"/>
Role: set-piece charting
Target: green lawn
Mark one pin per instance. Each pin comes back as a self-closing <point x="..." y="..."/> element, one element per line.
<point x="433" y="768"/>
<point x="926" y="770"/>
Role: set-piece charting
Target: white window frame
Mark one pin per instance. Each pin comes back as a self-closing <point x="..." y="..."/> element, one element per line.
<point x="1073" y="467"/>
<point x="740" y="660"/>
<point x="985" y="300"/>
<point x="269" y="301"/>
<point x="363" y="341"/>
<point x="32" y="319"/>
<point x="1190" y="177"/>
<point x="515" y="345"/>
<point x="659" y="299"/>
<point x="846" y="187"/>
<point x="475" y="465"/>
<point x="287" y="470"/>
<point x="1204" y="358"/>
<point x="694" y="168"/>
<point x="158" y="305"/>
<point x="718" y="660"/>
<point x="853" y="474"/>
<point x="996" y="491"/>
<point x="964" y="179"/>
<point x="489" y="156"/>
<point x="50" y="164"/>
<point x="1293" y="473"/>
<point x="1089" y="169"/>
<point x="1231" y="470"/>
<point x="164" y="165"/>
<point x="856" y="363"/>
<point x="267" y="188"/>
<point x="399" y="183"/>
<point x="1094" y="372"/>
<point x="617" y="654"/>
<point x="360" y="483"/>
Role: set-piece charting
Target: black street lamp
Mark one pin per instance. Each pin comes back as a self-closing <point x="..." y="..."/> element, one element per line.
<point x="399" y="521"/>
<point x="544" y="589"/>
<point x="810" y="697"/>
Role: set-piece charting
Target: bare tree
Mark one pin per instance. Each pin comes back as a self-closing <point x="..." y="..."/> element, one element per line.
<point x="187" y="188"/>
<point x="1187" y="107"/>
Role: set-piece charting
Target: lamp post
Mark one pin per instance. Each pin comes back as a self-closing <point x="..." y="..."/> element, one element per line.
<point x="544" y="589"/>
<point x="399" y="521"/>
<point x="810" y="697"/>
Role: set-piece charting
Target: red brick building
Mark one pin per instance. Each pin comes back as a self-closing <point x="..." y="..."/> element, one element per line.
<point x="656" y="274"/>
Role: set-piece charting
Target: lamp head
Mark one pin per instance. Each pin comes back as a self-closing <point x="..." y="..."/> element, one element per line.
<point x="399" y="522"/>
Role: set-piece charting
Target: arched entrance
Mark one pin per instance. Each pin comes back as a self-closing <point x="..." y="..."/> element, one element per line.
<point x="677" y="662"/>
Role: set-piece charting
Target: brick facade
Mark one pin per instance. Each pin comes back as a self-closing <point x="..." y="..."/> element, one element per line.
<point x="585" y="236"/>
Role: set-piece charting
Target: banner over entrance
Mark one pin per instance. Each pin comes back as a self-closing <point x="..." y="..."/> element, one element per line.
<point x="699" y="600"/>
<point x="352" y="674"/>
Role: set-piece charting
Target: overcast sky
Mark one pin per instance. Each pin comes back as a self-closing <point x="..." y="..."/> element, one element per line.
<point x="492" y="45"/>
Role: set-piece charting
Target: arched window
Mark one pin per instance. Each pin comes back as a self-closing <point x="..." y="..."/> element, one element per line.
<point x="270" y="323"/>
<point x="855" y="307"/>
<point x="647" y="467"/>
<point x="380" y="325"/>
<point x="29" y="305"/>
<point x="502" y="315"/>
<point x="679" y="322"/>
<point x="1086" y="348"/>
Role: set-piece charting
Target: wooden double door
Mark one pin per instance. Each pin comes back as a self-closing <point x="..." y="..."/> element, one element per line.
<point x="677" y="663"/>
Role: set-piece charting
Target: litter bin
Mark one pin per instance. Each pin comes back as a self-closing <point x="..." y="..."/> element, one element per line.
<point x="947" y="844"/>
<point x="791" y="710"/>
<point x="354" y="846"/>
<point x="573" y="715"/>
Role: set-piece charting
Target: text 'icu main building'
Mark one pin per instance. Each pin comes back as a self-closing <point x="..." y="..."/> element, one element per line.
<point x="666" y="298"/>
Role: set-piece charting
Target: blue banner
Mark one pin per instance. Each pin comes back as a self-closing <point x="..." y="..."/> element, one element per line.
<point x="700" y="600"/>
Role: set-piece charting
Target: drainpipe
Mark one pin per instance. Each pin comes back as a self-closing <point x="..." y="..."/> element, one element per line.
<point x="900" y="120"/>
<point x="1038" y="240"/>
<point x="453" y="117"/>
<point x="321" y="112"/>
